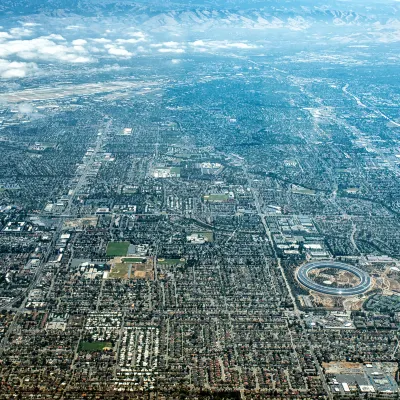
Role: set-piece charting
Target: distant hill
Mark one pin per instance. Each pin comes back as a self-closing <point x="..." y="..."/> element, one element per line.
<point x="249" y="13"/>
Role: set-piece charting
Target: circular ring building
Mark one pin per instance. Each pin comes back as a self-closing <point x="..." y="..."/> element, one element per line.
<point x="363" y="286"/>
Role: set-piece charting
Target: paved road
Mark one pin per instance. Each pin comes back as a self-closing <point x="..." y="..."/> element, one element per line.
<point x="75" y="191"/>
<point x="297" y="312"/>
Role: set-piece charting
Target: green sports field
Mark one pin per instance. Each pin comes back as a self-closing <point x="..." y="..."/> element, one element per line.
<point x="117" y="249"/>
<point x="94" y="346"/>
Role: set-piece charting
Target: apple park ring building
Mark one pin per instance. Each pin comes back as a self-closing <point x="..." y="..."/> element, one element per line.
<point x="363" y="286"/>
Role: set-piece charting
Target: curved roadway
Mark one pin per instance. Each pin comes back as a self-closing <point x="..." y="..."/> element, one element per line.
<point x="363" y="286"/>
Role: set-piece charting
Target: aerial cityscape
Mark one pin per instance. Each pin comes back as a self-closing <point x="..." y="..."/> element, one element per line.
<point x="199" y="199"/>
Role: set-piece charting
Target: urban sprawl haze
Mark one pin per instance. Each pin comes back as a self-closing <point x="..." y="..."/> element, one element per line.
<point x="199" y="199"/>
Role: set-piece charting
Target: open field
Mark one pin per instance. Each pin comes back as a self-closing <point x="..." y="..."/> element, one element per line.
<point x="131" y="268"/>
<point x="209" y="236"/>
<point x="117" y="249"/>
<point x="175" y="170"/>
<point x="94" y="346"/>
<point x="302" y="190"/>
<point x="129" y="190"/>
<point x="216" y="197"/>
<point x="119" y="271"/>
<point x="168" y="172"/>
<point x="80" y="222"/>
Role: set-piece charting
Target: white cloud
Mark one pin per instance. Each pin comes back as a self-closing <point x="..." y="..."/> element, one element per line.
<point x="43" y="49"/>
<point x="176" y="51"/>
<point x="380" y="36"/>
<point x="13" y="69"/>
<point x="390" y="24"/>
<point x="5" y="35"/>
<point x="80" y="49"/>
<point x="30" y="24"/>
<point x="101" y="40"/>
<point x="166" y="44"/>
<point x="130" y="41"/>
<point x="54" y="36"/>
<point x="171" y="44"/>
<point x="79" y="59"/>
<point x="169" y="47"/>
<point x="118" y="51"/>
<point x="390" y="37"/>
<point x="25" y="108"/>
<point x="20" y="32"/>
<point x="79" y="42"/>
<point x="136" y="34"/>
<point x="201" y="43"/>
<point x="141" y="49"/>
<point x="221" y="44"/>
<point x="93" y="49"/>
<point x="241" y="46"/>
